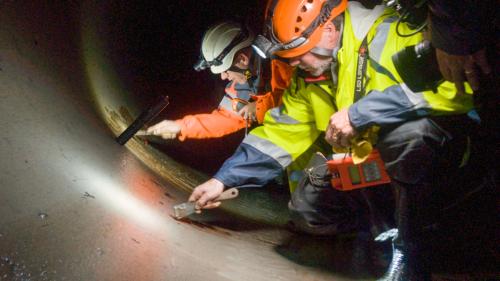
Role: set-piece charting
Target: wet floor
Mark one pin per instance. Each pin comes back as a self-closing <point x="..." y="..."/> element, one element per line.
<point x="75" y="205"/>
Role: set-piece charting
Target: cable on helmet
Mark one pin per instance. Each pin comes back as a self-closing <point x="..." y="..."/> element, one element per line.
<point x="412" y="12"/>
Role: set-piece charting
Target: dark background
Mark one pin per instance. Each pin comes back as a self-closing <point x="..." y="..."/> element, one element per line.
<point x="155" y="46"/>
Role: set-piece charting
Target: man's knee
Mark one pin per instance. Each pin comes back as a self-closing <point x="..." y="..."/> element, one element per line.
<point x="409" y="150"/>
<point x="316" y="208"/>
<point x="327" y="218"/>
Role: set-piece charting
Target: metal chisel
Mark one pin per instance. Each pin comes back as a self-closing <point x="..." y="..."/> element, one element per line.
<point x="187" y="208"/>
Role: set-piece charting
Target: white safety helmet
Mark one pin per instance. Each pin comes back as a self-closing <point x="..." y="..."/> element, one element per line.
<point x="219" y="45"/>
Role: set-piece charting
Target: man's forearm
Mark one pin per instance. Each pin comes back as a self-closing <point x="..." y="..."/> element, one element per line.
<point x="248" y="167"/>
<point x="394" y="105"/>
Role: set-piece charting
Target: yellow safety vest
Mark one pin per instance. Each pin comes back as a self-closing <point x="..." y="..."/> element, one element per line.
<point x="383" y="42"/>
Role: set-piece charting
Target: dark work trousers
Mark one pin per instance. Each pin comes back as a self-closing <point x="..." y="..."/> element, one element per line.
<point x="429" y="155"/>
<point x="426" y="163"/>
<point x="319" y="209"/>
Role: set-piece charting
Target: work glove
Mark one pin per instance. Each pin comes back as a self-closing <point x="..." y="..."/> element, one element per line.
<point x="167" y="129"/>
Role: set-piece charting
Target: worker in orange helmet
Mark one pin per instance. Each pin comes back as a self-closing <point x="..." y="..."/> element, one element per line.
<point x="293" y="132"/>
<point x="414" y="128"/>
<point x="418" y="138"/>
<point x="225" y="49"/>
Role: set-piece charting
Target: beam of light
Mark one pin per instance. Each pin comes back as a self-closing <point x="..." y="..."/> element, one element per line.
<point x="113" y="104"/>
<point x="120" y="199"/>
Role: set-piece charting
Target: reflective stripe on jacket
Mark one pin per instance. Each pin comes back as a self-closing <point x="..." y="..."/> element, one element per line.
<point x="294" y="126"/>
<point x="236" y="96"/>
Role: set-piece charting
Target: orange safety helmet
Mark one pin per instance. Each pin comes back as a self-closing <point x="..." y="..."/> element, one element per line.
<point x="296" y="26"/>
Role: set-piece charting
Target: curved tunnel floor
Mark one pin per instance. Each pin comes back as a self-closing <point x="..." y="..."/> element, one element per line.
<point x="75" y="205"/>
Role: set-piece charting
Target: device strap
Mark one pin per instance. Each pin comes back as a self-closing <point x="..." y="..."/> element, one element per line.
<point x="359" y="87"/>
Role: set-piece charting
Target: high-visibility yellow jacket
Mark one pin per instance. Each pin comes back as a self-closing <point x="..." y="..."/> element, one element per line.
<point x="290" y="130"/>
<point x="387" y="99"/>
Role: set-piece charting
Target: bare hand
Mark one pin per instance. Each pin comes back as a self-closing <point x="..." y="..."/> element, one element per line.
<point x="457" y="69"/>
<point x="205" y="193"/>
<point x="248" y="111"/>
<point x="167" y="129"/>
<point x="340" y="131"/>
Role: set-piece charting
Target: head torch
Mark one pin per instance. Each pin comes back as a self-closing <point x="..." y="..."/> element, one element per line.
<point x="266" y="48"/>
<point x="203" y="64"/>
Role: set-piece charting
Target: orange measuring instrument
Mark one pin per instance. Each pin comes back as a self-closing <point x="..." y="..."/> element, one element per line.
<point x="347" y="176"/>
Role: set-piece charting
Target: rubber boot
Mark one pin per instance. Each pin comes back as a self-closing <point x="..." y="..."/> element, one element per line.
<point x="408" y="263"/>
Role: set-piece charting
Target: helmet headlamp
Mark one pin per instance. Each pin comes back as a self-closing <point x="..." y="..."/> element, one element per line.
<point x="266" y="48"/>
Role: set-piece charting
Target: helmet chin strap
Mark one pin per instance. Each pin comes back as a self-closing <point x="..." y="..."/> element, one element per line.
<point x="333" y="53"/>
<point x="326" y="52"/>
<point x="322" y="51"/>
<point x="247" y="72"/>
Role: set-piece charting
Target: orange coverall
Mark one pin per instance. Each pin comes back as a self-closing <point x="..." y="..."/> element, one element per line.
<point x="224" y="120"/>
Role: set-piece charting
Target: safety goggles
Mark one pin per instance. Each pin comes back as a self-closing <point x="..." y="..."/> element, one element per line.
<point x="203" y="64"/>
<point x="266" y="48"/>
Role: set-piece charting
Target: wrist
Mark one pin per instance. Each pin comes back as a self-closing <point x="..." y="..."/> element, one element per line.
<point x="217" y="184"/>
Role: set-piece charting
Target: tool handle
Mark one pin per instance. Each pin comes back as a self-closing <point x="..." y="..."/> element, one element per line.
<point x="228" y="194"/>
<point x="146" y="116"/>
